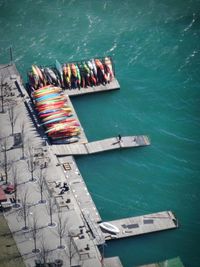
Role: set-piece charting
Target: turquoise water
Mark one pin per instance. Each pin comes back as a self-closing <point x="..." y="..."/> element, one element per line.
<point x="155" y="45"/>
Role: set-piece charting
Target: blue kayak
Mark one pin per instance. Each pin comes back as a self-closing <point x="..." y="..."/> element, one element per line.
<point x="59" y="69"/>
<point x="48" y="111"/>
<point x="55" y="120"/>
<point x="45" y="97"/>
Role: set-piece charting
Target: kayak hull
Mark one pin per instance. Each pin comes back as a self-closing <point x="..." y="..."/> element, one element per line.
<point x="108" y="227"/>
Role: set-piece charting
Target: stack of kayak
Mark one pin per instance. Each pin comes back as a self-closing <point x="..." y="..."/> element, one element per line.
<point x="55" y="114"/>
<point x="73" y="75"/>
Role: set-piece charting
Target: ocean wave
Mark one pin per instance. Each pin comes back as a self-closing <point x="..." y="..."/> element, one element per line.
<point x="19" y="58"/>
<point x="34" y="43"/>
<point x="184" y="163"/>
<point x="124" y="206"/>
<point x="191" y="23"/>
<point x="105" y="5"/>
<point x="188" y="59"/>
<point x="71" y="2"/>
<point x="90" y="20"/>
<point x="43" y="38"/>
<point x="112" y="48"/>
<point x="178" y="136"/>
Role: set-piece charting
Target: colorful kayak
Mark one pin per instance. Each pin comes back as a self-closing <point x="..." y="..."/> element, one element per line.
<point x="39" y="73"/>
<point x="62" y="125"/>
<point x="74" y="70"/>
<point x="51" y="105"/>
<point x="35" y="71"/>
<point x="54" y="120"/>
<point x="51" y="74"/>
<point x="72" y="75"/>
<point x="108" y="68"/>
<point x="60" y="71"/>
<point x="58" y="111"/>
<point x="50" y="108"/>
<point x="50" y="125"/>
<point x="44" y="112"/>
<point x="50" y="102"/>
<point x="57" y="135"/>
<point x="101" y="68"/>
<point x="47" y="96"/>
<point x="67" y="129"/>
<point x="45" y="92"/>
<point x="50" y="117"/>
<point x="94" y="67"/>
<point x="78" y="76"/>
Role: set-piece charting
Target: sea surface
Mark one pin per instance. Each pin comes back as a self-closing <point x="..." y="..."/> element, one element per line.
<point x="155" y="45"/>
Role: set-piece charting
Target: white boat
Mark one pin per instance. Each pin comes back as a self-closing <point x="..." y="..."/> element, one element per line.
<point x="109" y="227"/>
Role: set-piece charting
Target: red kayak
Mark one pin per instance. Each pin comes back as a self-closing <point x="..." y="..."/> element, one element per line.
<point x="51" y="106"/>
<point x="49" y="102"/>
<point x="60" y="111"/>
<point x="64" y="133"/>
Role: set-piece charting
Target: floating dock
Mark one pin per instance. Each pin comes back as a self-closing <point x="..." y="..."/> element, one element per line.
<point x="145" y="224"/>
<point x="113" y="85"/>
<point x="112" y="262"/>
<point x="175" y="262"/>
<point x="100" y="146"/>
<point x="133" y="226"/>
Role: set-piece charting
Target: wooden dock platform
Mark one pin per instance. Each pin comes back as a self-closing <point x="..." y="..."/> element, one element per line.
<point x="133" y="226"/>
<point x="100" y="146"/>
<point x="145" y="224"/>
<point x="112" y="262"/>
<point x="175" y="262"/>
<point x="113" y="85"/>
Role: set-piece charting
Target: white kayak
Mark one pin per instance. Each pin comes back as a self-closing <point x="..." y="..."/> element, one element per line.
<point x="109" y="227"/>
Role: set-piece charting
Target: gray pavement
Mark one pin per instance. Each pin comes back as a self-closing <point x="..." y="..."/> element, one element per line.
<point x="47" y="237"/>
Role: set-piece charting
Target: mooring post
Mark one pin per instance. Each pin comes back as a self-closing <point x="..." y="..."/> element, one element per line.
<point x="11" y="55"/>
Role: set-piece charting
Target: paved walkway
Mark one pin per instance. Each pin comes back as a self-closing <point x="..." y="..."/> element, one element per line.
<point x="83" y="250"/>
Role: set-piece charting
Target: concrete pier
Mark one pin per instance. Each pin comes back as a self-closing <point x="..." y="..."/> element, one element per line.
<point x="76" y="204"/>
